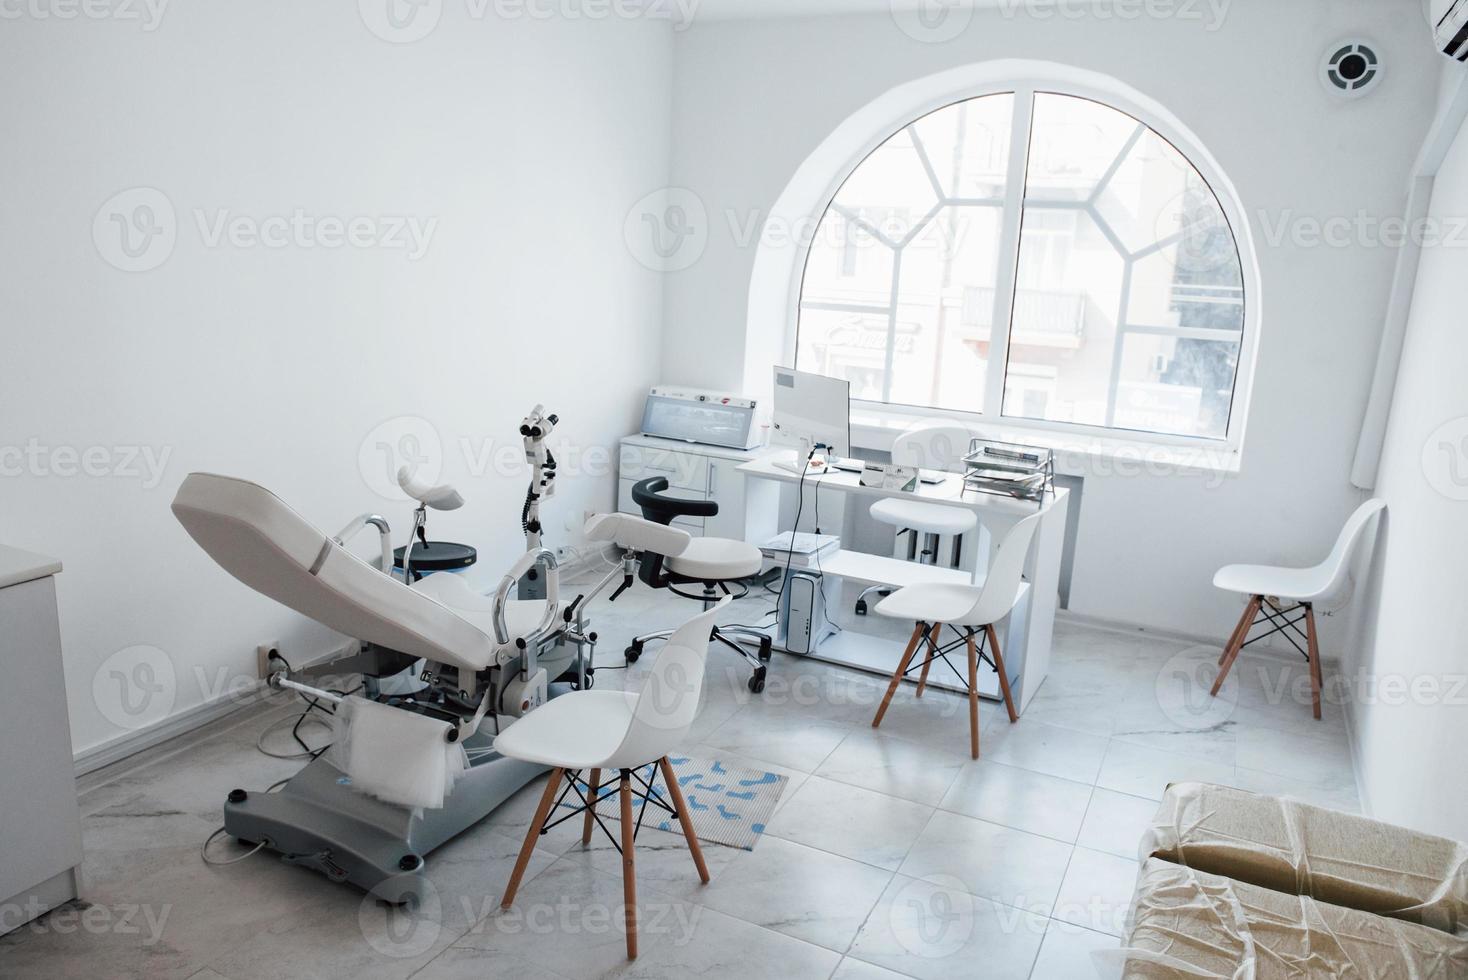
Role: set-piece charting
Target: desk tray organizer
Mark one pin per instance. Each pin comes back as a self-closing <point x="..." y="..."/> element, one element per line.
<point x="1009" y="469"/>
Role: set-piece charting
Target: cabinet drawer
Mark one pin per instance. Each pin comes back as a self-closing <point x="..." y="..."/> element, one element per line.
<point x="685" y="470"/>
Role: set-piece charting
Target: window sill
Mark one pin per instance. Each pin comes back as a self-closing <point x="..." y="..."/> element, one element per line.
<point x="1076" y="453"/>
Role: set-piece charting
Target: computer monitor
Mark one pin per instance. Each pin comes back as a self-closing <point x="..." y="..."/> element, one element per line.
<point x="811" y="410"/>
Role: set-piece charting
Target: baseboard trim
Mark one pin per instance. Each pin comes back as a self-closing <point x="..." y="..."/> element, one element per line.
<point x="130" y="744"/>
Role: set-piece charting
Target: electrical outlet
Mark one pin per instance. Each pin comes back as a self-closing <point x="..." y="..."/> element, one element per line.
<point x="263" y="653"/>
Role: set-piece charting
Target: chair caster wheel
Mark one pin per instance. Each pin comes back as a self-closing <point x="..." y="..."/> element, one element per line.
<point x="634" y="651"/>
<point x="766" y="649"/>
<point x="757" y="682"/>
<point x="861" y="607"/>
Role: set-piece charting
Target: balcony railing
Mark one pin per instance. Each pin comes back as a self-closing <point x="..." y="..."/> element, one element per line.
<point x="1041" y="311"/>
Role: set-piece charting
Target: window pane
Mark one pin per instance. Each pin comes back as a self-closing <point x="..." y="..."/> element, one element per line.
<point x="1073" y="143"/>
<point x="847" y="264"/>
<point x="890" y="192"/>
<point x="945" y="310"/>
<point x="967" y="146"/>
<point x="1176" y="385"/>
<point x="852" y="346"/>
<point x="1064" y="325"/>
<point x="1195" y="280"/>
<point x="1142" y="201"/>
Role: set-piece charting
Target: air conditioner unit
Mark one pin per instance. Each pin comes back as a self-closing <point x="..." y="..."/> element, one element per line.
<point x="1450" y="23"/>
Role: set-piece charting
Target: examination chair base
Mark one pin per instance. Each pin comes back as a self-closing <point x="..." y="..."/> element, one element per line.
<point x="318" y="821"/>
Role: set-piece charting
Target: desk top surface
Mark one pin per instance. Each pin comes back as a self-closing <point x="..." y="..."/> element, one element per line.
<point x="18" y="565"/>
<point x="950" y="491"/>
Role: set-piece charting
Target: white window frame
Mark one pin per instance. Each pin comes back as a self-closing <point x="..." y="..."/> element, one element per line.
<point x="991" y="416"/>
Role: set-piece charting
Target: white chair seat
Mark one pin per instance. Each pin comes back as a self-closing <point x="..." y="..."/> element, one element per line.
<point x="935" y="603"/>
<point x="1303" y="584"/>
<point x="717" y="560"/>
<point x="578" y="731"/>
<point x="925" y="517"/>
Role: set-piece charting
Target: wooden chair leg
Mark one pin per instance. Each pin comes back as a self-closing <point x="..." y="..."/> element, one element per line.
<point x="684" y="819"/>
<point x="541" y="812"/>
<point x="973" y="696"/>
<point x="912" y="644"/>
<point x="1315" y="678"/>
<point x="1232" y="653"/>
<point x="1243" y="626"/>
<point x="932" y="652"/>
<point x="595" y="787"/>
<point x="629" y="871"/>
<point x="1003" y="674"/>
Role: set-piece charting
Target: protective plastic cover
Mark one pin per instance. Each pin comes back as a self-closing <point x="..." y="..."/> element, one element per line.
<point x="1186" y="923"/>
<point x="1298" y="849"/>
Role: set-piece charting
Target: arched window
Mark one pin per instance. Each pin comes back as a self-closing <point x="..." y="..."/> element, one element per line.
<point x="1035" y="256"/>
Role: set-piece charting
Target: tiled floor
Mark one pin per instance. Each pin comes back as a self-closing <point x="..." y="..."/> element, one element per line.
<point x="891" y="853"/>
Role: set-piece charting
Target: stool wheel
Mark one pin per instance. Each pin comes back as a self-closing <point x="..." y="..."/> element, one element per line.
<point x="766" y="650"/>
<point x="757" y="682"/>
<point x="861" y="607"/>
<point x="634" y="651"/>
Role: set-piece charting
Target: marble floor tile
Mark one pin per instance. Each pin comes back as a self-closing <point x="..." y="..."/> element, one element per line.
<point x="1018" y="798"/>
<point x="998" y="863"/>
<point x="854" y="969"/>
<point x="793" y="742"/>
<point x="894" y="766"/>
<point x="1138" y="771"/>
<point x="722" y="947"/>
<point x="799" y="891"/>
<point x="934" y="930"/>
<point x="1066" y="953"/>
<point x="1097" y="891"/>
<point x="1115" y="822"/>
<point x="1045" y="749"/>
<point x="852" y="822"/>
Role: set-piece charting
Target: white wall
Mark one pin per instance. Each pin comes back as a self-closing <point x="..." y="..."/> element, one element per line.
<point x="753" y="99"/>
<point x="1410" y="682"/>
<point x="527" y="142"/>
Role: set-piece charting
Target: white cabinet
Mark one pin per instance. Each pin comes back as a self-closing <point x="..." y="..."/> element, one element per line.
<point x="40" y="821"/>
<point x="696" y="472"/>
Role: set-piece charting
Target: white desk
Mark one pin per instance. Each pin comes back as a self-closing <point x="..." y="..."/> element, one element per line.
<point x="1027" y="633"/>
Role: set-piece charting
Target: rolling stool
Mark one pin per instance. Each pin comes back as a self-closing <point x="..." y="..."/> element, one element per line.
<point x="934" y="447"/>
<point x="711" y="562"/>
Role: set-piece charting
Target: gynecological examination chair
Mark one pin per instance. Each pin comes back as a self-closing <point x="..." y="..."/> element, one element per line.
<point x="477" y="664"/>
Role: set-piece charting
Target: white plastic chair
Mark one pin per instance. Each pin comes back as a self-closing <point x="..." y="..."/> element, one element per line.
<point x="929" y="446"/>
<point x="967" y="609"/>
<point x="597" y="730"/>
<point x="1271" y="587"/>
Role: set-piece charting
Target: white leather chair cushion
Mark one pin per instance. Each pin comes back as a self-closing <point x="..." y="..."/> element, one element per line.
<point x="935" y="603"/>
<point x="717" y="560"/>
<point x="928" y="518"/>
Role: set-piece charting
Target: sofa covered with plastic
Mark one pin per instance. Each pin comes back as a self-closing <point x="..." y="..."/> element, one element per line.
<point x="1238" y="885"/>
